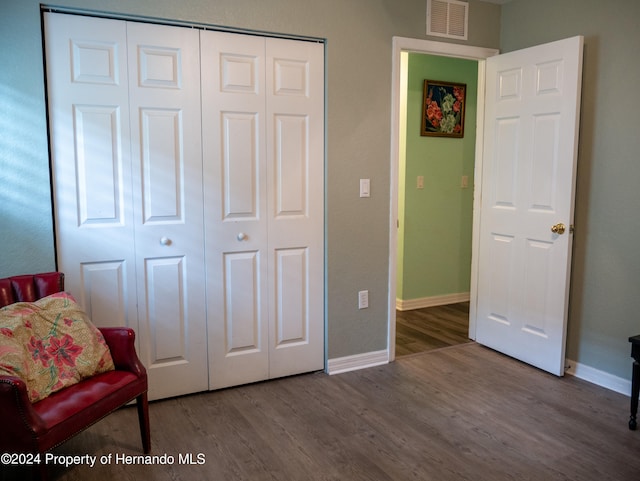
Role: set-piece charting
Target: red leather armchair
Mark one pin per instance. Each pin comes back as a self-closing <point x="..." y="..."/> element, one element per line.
<point x="43" y="425"/>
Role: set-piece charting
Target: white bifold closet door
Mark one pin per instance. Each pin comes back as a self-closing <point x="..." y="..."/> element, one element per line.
<point x="194" y="218"/>
<point x="263" y="147"/>
<point x="124" y="106"/>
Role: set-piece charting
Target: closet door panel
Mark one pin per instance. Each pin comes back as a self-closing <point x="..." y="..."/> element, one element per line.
<point x="295" y="159"/>
<point x="98" y="165"/>
<point x="98" y="278"/>
<point x="240" y="164"/>
<point x="87" y="80"/>
<point x="165" y="290"/>
<point x="162" y="163"/>
<point x="235" y="207"/>
<point x="292" y="316"/>
<point x="241" y="317"/>
<point x="164" y="90"/>
<point x="291" y="165"/>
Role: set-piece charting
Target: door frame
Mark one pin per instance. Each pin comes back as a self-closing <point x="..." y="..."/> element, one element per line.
<point x="412" y="45"/>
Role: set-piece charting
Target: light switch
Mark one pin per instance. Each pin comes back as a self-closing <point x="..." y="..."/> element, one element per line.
<point x="420" y="182"/>
<point x="363" y="299"/>
<point x="365" y="188"/>
<point x="464" y="183"/>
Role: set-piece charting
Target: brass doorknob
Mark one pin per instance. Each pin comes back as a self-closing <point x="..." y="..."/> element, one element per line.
<point x="558" y="228"/>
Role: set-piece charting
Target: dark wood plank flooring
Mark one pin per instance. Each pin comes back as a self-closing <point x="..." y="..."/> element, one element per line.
<point x="422" y="330"/>
<point x="463" y="413"/>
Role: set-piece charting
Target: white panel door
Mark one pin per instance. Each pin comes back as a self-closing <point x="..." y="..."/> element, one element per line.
<point x="233" y="125"/>
<point x="264" y="168"/>
<point x="124" y="109"/>
<point x="532" y="113"/>
<point x="164" y="92"/>
<point x="295" y="206"/>
<point x="88" y="100"/>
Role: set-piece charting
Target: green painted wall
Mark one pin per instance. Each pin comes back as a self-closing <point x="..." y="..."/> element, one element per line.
<point x="434" y="242"/>
<point x="605" y="289"/>
<point x="358" y="57"/>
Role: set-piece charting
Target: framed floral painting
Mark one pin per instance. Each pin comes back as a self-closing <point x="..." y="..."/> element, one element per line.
<point x="443" y="109"/>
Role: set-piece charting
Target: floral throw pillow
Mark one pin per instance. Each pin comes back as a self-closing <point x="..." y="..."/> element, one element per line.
<point x="50" y="344"/>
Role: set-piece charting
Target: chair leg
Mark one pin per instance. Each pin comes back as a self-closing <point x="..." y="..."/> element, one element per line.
<point x="635" y="392"/>
<point x="40" y="471"/>
<point x="143" y="419"/>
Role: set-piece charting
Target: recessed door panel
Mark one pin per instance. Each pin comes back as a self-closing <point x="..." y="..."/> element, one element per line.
<point x="99" y="165"/>
<point x="549" y="77"/>
<point x="502" y="257"/>
<point x="538" y="275"/>
<point x="544" y="162"/>
<point x="165" y="299"/>
<point x="105" y="293"/>
<point x="291" y="165"/>
<point x="242" y="316"/>
<point x="95" y="62"/>
<point x="292" y="310"/>
<point x="238" y="350"/>
<point x="504" y="190"/>
<point x="160" y="67"/>
<point x="239" y="73"/>
<point x="291" y="76"/>
<point x="162" y="165"/>
<point x="509" y="85"/>
<point x="240" y="165"/>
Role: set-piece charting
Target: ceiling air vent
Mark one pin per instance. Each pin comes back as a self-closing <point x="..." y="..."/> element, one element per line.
<point x="447" y="18"/>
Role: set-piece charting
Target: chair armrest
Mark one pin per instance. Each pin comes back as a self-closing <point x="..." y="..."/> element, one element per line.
<point x="121" y="342"/>
<point x="20" y="421"/>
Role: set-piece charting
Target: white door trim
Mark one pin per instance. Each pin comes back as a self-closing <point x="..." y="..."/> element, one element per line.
<point x="400" y="45"/>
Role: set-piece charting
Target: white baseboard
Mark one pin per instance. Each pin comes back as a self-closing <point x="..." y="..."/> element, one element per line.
<point x="409" y="304"/>
<point x="357" y="361"/>
<point x="600" y="378"/>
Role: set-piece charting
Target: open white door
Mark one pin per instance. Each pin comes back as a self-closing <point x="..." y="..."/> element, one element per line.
<point x="528" y="188"/>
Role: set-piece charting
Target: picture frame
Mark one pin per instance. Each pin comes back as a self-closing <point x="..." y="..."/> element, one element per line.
<point x="443" y="106"/>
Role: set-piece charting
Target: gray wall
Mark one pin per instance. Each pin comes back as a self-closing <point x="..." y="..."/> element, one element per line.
<point x="605" y="292"/>
<point x="359" y="35"/>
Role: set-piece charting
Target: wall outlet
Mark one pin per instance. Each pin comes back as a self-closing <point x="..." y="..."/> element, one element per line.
<point x="363" y="299"/>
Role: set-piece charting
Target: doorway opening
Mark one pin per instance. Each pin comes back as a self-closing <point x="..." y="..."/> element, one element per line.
<point x="401" y="49"/>
<point x="435" y="204"/>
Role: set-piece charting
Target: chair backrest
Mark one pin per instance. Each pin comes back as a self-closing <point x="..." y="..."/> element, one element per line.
<point x="30" y="287"/>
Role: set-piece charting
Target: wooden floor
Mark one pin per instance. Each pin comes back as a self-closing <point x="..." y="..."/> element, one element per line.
<point x="458" y="413"/>
<point x="422" y="330"/>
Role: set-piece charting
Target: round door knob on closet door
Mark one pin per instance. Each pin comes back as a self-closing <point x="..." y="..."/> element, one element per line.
<point x="242" y="236"/>
<point x="165" y="241"/>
